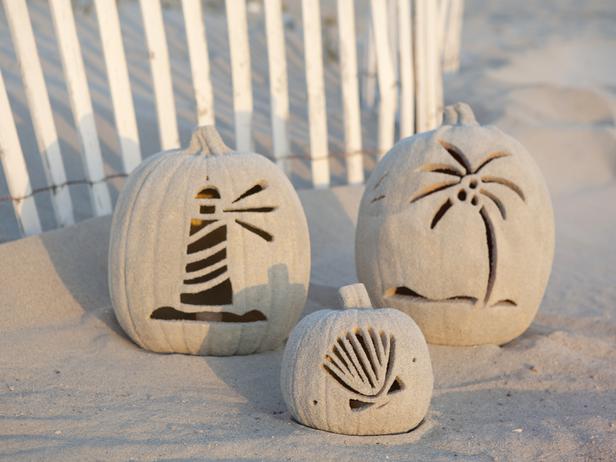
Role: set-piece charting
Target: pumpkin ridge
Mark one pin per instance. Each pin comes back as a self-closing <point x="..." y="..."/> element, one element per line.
<point x="153" y="166"/>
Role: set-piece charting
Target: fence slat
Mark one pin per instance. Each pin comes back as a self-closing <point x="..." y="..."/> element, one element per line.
<point x="453" y="36"/>
<point x="161" y="73"/>
<point x="407" y="79"/>
<point x="81" y="104"/>
<point x="199" y="61"/>
<point x="421" y="65"/>
<point x="40" y="108"/>
<point x="386" y="77"/>
<point x="443" y="9"/>
<point x="241" y="73"/>
<point x="15" y="169"/>
<point x="368" y="73"/>
<point x="434" y="77"/>
<point x="119" y="84"/>
<point x="350" y="91"/>
<point x="392" y="31"/>
<point x="279" y="91"/>
<point x="317" y="114"/>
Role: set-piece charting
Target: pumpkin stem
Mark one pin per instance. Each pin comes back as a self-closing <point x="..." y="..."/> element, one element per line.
<point x="459" y="114"/>
<point x="354" y="296"/>
<point x="207" y="140"/>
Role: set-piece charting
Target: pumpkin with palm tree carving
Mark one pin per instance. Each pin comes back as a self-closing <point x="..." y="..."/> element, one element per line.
<point x="456" y="229"/>
<point x="209" y="251"/>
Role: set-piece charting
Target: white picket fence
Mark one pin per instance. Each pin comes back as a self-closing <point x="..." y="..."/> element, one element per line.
<point x="410" y="43"/>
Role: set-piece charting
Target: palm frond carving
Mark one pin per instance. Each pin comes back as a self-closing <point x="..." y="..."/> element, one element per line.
<point x="474" y="186"/>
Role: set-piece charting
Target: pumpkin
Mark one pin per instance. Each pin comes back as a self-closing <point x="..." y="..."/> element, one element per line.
<point x="358" y="371"/>
<point x="456" y="229"/>
<point x="209" y="252"/>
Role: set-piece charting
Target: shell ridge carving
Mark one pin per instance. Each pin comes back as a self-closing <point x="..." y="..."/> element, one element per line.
<point x="370" y="355"/>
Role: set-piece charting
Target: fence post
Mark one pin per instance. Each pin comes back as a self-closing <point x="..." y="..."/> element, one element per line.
<point x="386" y="77"/>
<point x="119" y="83"/>
<point x="15" y="169"/>
<point x="350" y="91"/>
<point x="317" y="113"/>
<point x="240" y="73"/>
<point x="40" y="108"/>
<point x="161" y="73"/>
<point x="407" y="78"/>
<point x="279" y="91"/>
<point x="199" y="61"/>
<point x="81" y="104"/>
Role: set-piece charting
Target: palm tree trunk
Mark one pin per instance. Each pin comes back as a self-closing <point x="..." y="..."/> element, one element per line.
<point x="491" y="243"/>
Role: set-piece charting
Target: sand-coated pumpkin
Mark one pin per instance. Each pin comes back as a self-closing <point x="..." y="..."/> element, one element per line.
<point x="209" y="251"/>
<point x="456" y="229"/>
<point x="359" y="371"/>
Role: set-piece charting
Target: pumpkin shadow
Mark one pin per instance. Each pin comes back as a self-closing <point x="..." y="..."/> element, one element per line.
<point x="256" y="377"/>
<point x="79" y="256"/>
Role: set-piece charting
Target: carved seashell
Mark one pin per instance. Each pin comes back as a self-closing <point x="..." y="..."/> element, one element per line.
<point x="361" y="361"/>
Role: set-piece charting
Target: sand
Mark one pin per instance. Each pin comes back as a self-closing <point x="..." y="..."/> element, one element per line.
<point x="73" y="387"/>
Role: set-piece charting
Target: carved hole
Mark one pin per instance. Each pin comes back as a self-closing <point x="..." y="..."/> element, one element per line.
<point x="197" y="225"/>
<point x="207" y="277"/>
<point x="260" y="186"/>
<point x="492" y="255"/>
<point x="256" y="230"/>
<point x="219" y="294"/>
<point x="440" y="213"/>
<point x="169" y="313"/>
<point x="462" y="195"/>
<point x="357" y="405"/>
<point x="404" y="291"/>
<point x="361" y="362"/>
<point x="506" y="302"/>
<point x="207" y="209"/>
<point x="396" y="387"/>
<point x="457" y="155"/>
<point x="206" y="262"/>
<point x="208" y="240"/>
<point x="251" y="210"/>
<point x="475" y="200"/>
<point x="208" y="193"/>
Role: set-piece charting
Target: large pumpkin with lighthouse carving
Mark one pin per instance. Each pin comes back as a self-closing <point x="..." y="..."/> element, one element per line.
<point x="456" y="229"/>
<point x="209" y="252"/>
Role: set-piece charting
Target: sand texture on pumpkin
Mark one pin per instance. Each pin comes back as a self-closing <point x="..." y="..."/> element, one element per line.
<point x="152" y="236"/>
<point x="358" y="372"/>
<point x="456" y="229"/>
<point x="74" y="387"/>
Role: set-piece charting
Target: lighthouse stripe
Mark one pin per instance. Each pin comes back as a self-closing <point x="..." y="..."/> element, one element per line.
<point x="207" y="277"/>
<point x="209" y="240"/>
<point x="221" y="294"/>
<point x="208" y="261"/>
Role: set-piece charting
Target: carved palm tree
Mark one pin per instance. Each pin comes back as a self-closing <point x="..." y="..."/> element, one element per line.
<point x="473" y="185"/>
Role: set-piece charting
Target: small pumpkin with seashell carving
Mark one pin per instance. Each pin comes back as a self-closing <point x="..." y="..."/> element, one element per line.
<point x="456" y="229"/>
<point x="358" y="371"/>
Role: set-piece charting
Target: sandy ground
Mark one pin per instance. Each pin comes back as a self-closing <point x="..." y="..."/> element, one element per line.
<point x="73" y="387"/>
